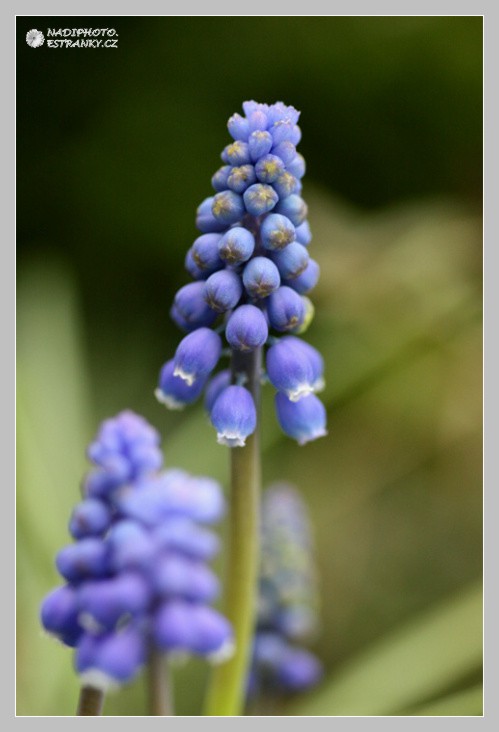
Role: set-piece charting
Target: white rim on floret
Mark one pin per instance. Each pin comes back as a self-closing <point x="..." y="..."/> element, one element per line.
<point x="222" y="654"/>
<point x="311" y="436"/>
<point x="303" y="390"/>
<point x="169" y="401"/>
<point x="231" y="439"/>
<point x="99" y="680"/>
<point x="188" y="378"/>
<point x="89" y="623"/>
<point x="319" y="385"/>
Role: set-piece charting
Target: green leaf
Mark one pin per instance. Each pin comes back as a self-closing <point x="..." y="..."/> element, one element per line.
<point x="460" y="704"/>
<point x="52" y="430"/>
<point x="407" y="666"/>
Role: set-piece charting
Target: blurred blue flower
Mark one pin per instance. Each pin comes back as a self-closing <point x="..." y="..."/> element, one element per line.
<point x="288" y="598"/>
<point x="140" y="549"/>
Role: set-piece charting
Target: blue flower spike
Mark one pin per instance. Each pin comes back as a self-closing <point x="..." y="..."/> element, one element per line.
<point x="288" y="597"/>
<point x="252" y="272"/>
<point x="140" y="546"/>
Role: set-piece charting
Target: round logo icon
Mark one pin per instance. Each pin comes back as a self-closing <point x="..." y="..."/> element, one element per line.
<point x="35" y="38"/>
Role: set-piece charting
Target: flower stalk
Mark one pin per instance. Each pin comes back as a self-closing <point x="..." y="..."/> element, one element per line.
<point x="159" y="685"/>
<point x="90" y="703"/>
<point x="228" y="683"/>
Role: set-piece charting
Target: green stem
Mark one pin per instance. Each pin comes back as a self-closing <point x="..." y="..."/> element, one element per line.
<point x="90" y="702"/>
<point x="228" y="681"/>
<point x="159" y="688"/>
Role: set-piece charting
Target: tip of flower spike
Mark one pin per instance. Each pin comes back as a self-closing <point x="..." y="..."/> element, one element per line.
<point x="169" y="401"/>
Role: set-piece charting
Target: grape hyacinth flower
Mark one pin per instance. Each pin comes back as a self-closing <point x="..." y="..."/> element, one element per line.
<point x="136" y="578"/>
<point x="288" y="598"/>
<point x="252" y="271"/>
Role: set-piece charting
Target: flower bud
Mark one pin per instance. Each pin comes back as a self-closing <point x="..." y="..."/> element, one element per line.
<point x="276" y="232"/>
<point x="238" y="127"/>
<point x="286" y="151"/>
<point x="294" y="207"/>
<point x="205" y="220"/>
<point x="240" y="178"/>
<point x="112" y="658"/>
<point x="237" y="153"/>
<point x="130" y="546"/>
<point x="223" y="290"/>
<point x="219" y="179"/>
<point x="259" y="144"/>
<point x="227" y="208"/>
<point x="286" y="184"/>
<point x="103" y="603"/>
<point x="173" y="391"/>
<point x="291" y="261"/>
<point x="259" y="199"/>
<point x="296" y="166"/>
<point x="181" y="535"/>
<point x="307" y="280"/>
<point x="190" y="628"/>
<point x="294" y="367"/>
<point x="214" y="388"/>
<point x="285" y="131"/>
<point x="304" y="420"/>
<point x="176" y="576"/>
<point x="204" y="252"/>
<point x="236" y="245"/>
<point x="246" y="328"/>
<point x="257" y="120"/>
<point x="298" y="669"/>
<point x="174" y="494"/>
<point x="269" y="168"/>
<point x="191" y="266"/>
<point x="59" y="614"/>
<point x="189" y="309"/>
<point x="91" y="517"/>
<point x="303" y="234"/>
<point x="285" y="309"/>
<point x="87" y="558"/>
<point x="261" y="277"/>
<point x="234" y="416"/>
<point x="197" y="354"/>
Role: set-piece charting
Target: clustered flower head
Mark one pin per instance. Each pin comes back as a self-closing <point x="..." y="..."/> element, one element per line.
<point x="136" y="575"/>
<point x="287" y="603"/>
<point x="252" y="271"/>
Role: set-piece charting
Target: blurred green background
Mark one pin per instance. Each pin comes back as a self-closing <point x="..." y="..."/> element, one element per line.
<point x="115" y="150"/>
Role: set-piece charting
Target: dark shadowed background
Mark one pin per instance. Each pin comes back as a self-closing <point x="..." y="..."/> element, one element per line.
<point x="115" y="150"/>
